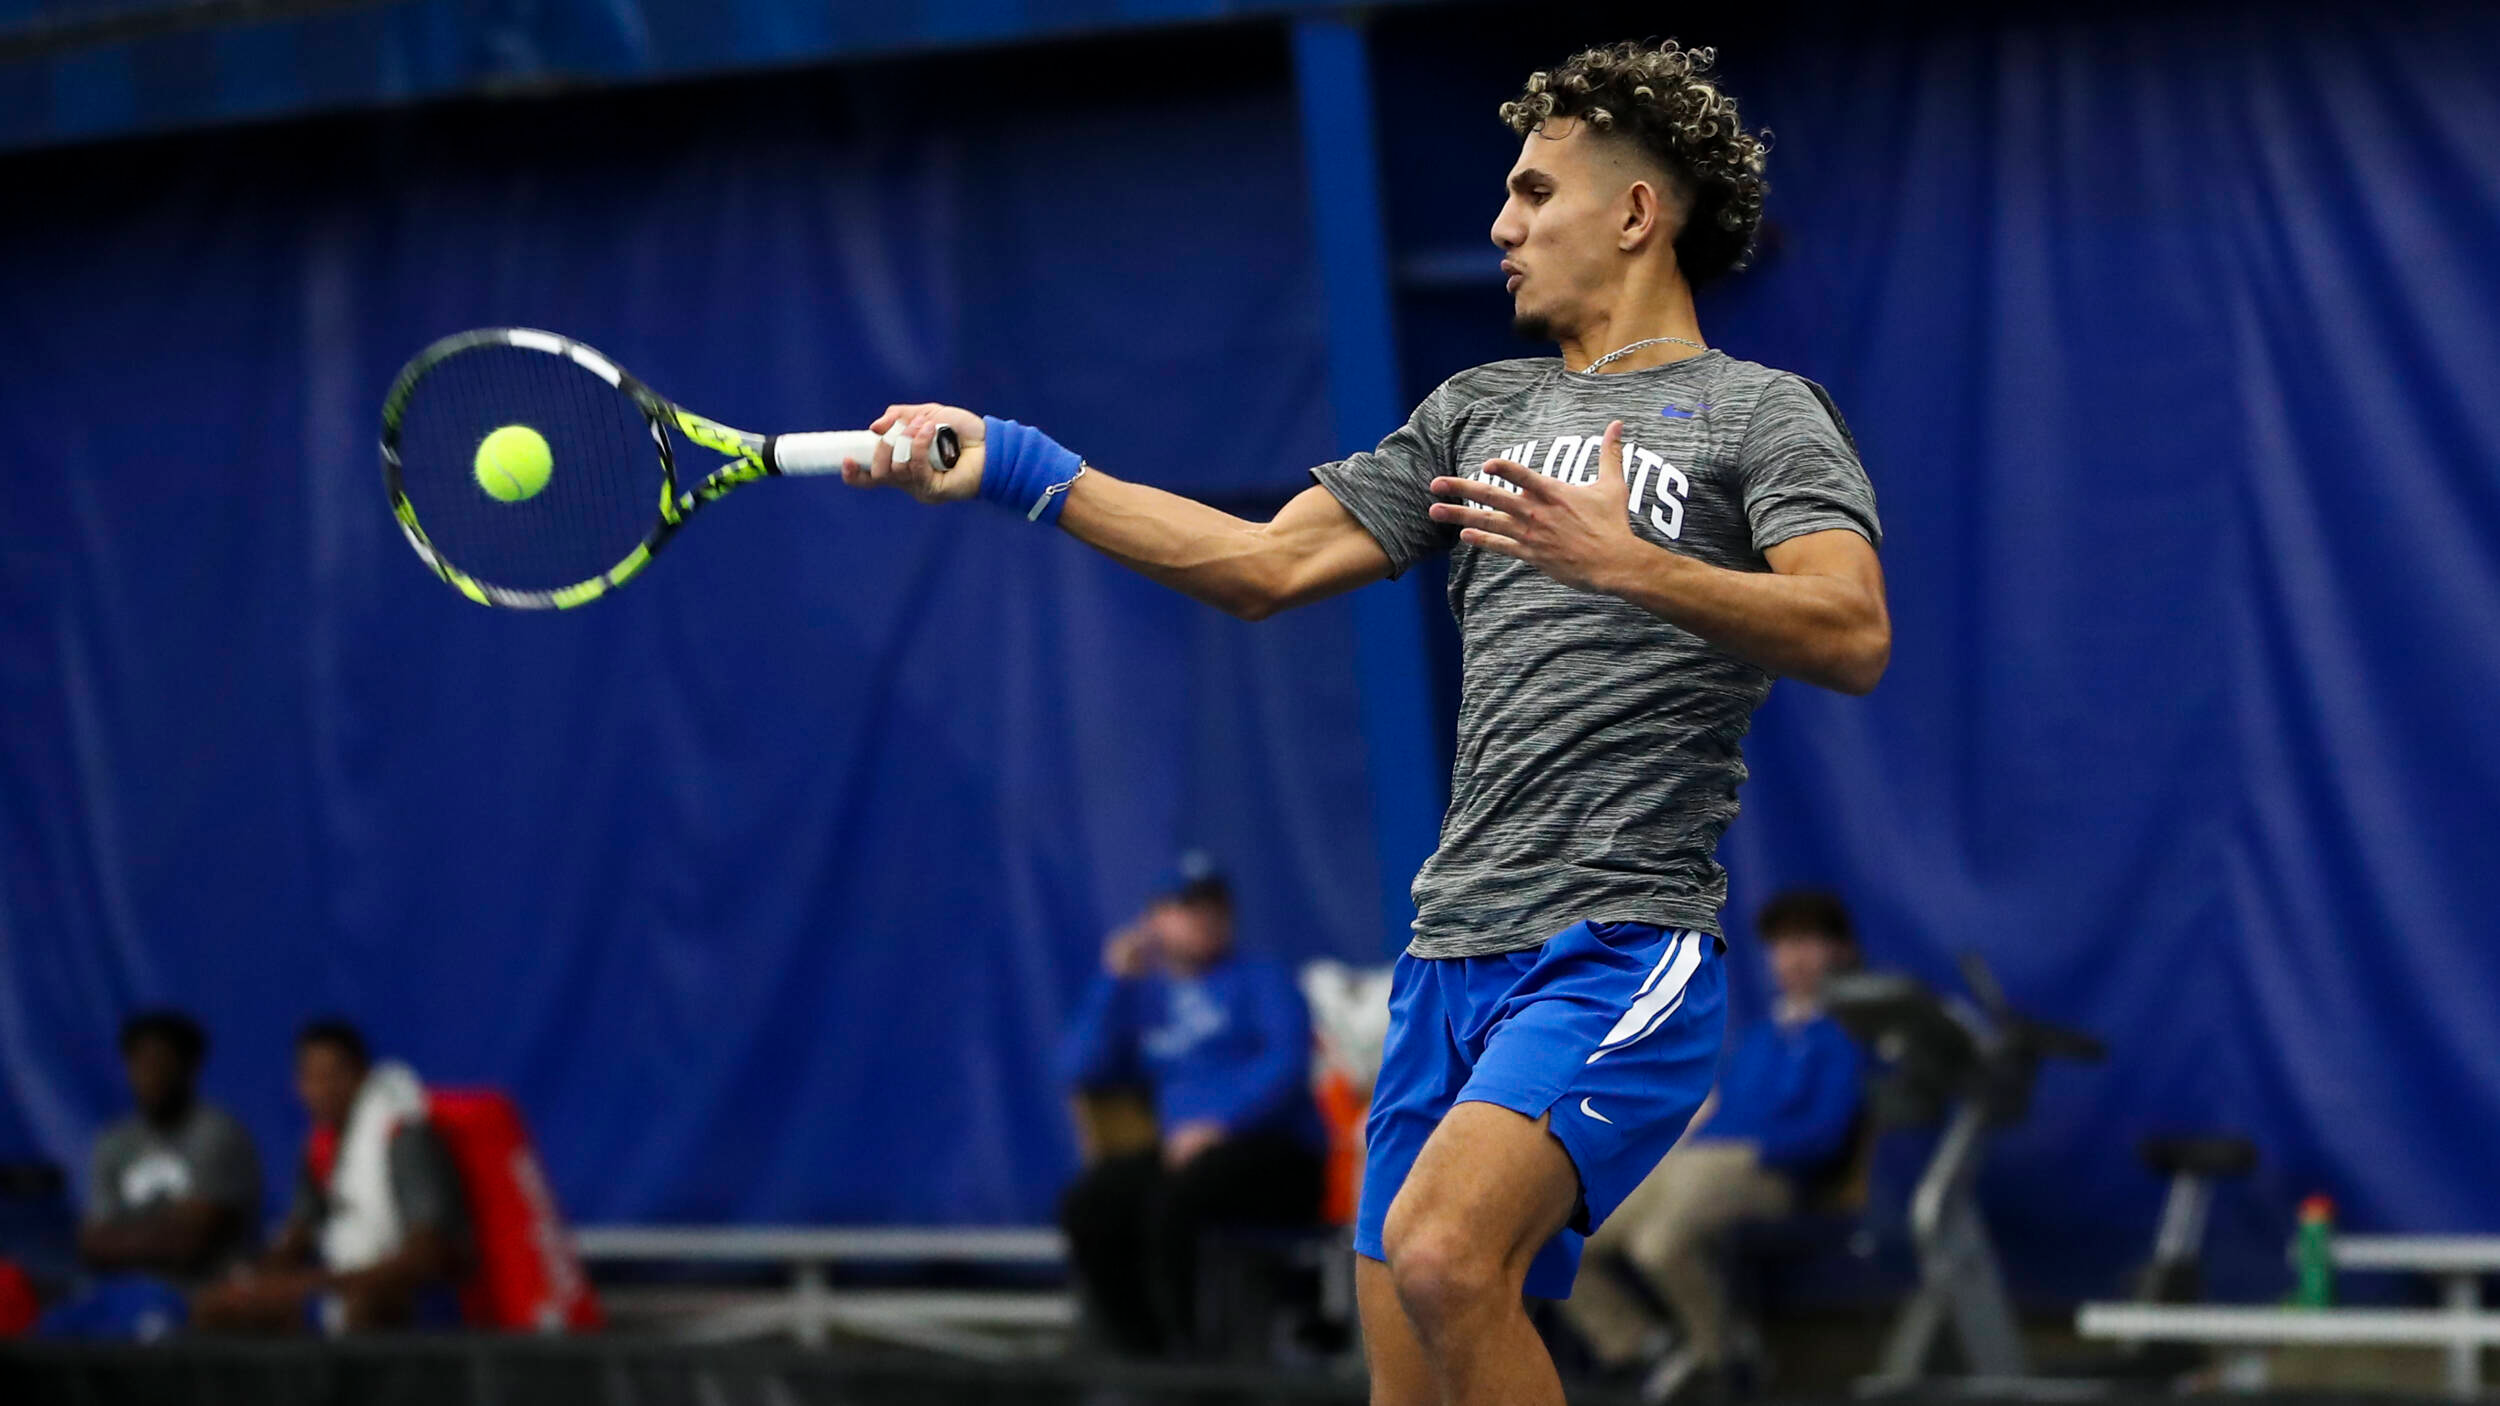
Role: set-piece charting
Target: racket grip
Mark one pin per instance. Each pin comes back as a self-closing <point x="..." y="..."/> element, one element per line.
<point x="822" y="452"/>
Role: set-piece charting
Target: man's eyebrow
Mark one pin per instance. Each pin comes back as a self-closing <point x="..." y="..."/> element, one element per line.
<point x="1528" y="176"/>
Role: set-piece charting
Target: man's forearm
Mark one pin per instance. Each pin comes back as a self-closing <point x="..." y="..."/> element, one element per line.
<point x="1826" y="630"/>
<point x="1204" y="553"/>
<point x="170" y="1238"/>
<point x="424" y="1256"/>
<point x="1313" y="548"/>
<point x="117" y="1245"/>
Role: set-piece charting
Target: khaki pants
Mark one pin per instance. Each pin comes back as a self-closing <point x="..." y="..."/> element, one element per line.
<point x="1667" y="1233"/>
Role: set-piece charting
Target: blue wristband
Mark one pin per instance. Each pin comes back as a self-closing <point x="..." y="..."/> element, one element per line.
<point x="1026" y="470"/>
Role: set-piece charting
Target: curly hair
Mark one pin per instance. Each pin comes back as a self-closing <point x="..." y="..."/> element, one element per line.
<point x="1668" y="100"/>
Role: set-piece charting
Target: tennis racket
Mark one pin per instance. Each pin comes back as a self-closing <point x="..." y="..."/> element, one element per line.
<point x="580" y="485"/>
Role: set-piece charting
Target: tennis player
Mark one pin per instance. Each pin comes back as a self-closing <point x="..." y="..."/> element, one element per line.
<point x="1644" y="531"/>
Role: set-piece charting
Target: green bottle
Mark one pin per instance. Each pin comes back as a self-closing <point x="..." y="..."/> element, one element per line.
<point x="2313" y="1254"/>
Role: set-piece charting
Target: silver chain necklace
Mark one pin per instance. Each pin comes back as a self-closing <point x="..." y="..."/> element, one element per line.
<point x="1620" y="352"/>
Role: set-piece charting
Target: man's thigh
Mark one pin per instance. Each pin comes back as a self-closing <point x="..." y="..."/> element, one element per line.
<point x="1496" y="1174"/>
<point x="1110" y="1197"/>
<point x="1656" y="1200"/>
<point x="1722" y="1183"/>
<point x="1710" y="1188"/>
<point x="1260" y="1179"/>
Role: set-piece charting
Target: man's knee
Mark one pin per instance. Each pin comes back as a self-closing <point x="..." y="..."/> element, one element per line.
<point x="1104" y="1199"/>
<point x="1443" y="1271"/>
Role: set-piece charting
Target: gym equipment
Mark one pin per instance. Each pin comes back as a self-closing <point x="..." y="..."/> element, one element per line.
<point x="2191" y="1164"/>
<point x="1971" y="1067"/>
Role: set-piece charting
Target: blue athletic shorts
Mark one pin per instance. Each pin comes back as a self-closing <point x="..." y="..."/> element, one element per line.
<point x="1613" y="1027"/>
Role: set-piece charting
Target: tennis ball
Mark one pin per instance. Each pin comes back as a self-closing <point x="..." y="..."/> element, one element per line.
<point x="512" y="463"/>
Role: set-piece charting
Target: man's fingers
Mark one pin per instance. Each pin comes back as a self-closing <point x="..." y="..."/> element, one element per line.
<point x="1493" y="542"/>
<point x="1492" y="495"/>
<point x="1463" y="515"/>
<point x="1610" y="455"/>
<point x="1532" y="483"/>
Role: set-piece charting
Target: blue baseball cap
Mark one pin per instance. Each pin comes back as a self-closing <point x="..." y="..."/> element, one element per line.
<point x="1195" y="877"/>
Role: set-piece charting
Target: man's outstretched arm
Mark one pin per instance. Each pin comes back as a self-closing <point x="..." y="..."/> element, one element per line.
<point x="1311" y="550"/>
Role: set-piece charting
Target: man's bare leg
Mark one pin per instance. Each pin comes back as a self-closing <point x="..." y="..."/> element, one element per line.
<point x="1489" y="1188"/>
<point x="1400" y="1374"/>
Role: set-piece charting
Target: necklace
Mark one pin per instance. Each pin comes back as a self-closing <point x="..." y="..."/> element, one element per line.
<point x="1621" y="352"/>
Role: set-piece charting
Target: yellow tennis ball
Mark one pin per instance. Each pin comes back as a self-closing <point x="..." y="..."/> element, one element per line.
<point x="513" y="463"/>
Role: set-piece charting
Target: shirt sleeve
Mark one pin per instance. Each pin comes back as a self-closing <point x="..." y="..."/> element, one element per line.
<point x="1800" y="468"/>
<point x="104" y="1178"/>
<point x="1098" y="1051"/>
<point x="1388" y="489"/>
<point x="425" y="1182"/>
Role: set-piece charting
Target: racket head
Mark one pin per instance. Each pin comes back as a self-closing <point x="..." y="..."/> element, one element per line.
<point x="611" y="498"/>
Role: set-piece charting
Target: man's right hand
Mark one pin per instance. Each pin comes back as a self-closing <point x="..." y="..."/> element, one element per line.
<point x="1130" y="952"/>
<point x="916" y="477"/>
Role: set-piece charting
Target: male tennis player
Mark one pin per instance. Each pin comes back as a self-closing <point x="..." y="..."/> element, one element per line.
<point x="1643" y="533"/>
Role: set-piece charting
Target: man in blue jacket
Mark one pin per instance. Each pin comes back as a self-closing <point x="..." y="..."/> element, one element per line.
<point x="1783" y="1113"/>
<point x="1223" y="1042"/>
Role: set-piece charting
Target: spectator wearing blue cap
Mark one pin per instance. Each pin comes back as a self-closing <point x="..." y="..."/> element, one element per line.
<point x="1780" y="1120"/>
<point x="1222" y="1042"/>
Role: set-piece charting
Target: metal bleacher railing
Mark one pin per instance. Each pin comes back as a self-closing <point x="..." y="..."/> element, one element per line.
<point x="2461" y="1327"/>
<point x="983" y="1322"/>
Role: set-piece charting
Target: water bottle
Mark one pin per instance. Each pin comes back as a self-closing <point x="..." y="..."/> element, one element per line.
<point x="2313" y="1254"/>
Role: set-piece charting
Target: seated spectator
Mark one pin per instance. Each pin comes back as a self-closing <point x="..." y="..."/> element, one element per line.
<point x="378" y="1232"/>
<point x="1787" y="1102"/>
<point x="173" y="1191"/>
<point x="1223" y="1042"/>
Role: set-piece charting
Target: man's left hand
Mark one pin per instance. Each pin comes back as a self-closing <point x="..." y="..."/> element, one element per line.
<point x="1579" y="534"/>
<point x="1182" y="1145"/>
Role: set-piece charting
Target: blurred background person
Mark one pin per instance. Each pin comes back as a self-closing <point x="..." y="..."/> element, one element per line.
<point x="173" y="1190"/>
<point x="1222" y="1044"/>
<point x="378" y="1232"/>
<point x="1788" y="1100"/>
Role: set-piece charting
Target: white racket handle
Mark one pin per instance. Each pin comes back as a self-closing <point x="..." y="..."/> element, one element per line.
<point x="822" y="452"/>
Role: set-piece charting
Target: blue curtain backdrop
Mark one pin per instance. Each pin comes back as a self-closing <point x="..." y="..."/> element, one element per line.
<point x="79" y="70"/>
<point x="2169" y="341"/>
<point x="766" y="884"/>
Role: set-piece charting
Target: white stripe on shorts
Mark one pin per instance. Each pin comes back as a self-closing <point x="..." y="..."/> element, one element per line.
<point x="1657" y="999"/>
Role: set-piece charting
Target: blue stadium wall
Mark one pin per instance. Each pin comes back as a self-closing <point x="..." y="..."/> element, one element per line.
<point x="767" y="884"/>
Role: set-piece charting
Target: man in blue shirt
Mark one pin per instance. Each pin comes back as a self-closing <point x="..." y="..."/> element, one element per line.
<point x="1783" y="1113"/>
<point x="1223" y="1042"/>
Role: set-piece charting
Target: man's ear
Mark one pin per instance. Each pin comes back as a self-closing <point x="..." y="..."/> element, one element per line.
<point x="1644" y="214"/>
<point x="1653" y="210"/>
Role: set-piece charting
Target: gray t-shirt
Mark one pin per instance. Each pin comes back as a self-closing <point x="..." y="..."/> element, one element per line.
<point x="1599" y="747"/>
<point x="425" y="1183"/>
<point x="138" y="1168"/>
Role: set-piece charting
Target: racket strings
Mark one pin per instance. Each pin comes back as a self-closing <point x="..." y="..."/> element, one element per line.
<point x="602" y="494"/>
